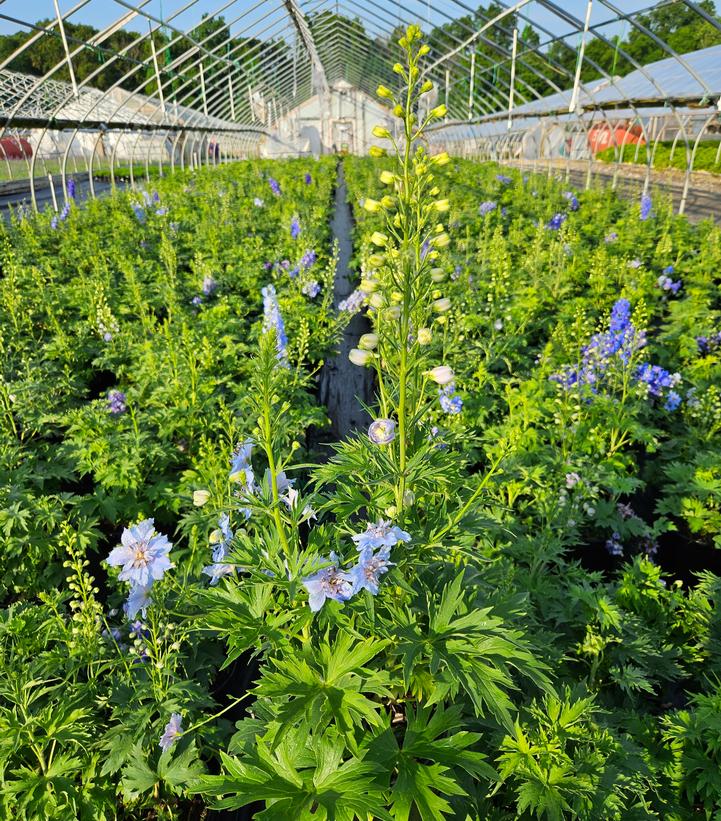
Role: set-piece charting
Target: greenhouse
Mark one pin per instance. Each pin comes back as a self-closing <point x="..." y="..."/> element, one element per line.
<point x="360" y="410"/>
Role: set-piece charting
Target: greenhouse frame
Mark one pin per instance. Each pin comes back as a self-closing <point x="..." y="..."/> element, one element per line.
<point x="290" y="78"/>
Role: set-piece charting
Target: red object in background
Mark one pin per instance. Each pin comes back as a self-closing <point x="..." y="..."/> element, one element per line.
<point x="14" y="149"/>
<point x="603" y="136"/>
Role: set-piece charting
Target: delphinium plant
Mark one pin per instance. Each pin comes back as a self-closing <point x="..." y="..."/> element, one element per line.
<point x="386" y="664"/>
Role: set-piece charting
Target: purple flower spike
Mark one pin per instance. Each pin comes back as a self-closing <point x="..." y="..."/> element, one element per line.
<point x="116" y="402"/>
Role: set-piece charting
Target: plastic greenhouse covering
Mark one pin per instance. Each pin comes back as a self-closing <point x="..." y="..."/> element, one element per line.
<point x="96" y="86"/>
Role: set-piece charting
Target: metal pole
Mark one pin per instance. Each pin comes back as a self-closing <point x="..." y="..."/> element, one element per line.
<point x="579" y="63"/>
<point x="61" y="26"/>
<point x="157" y="69"/>
<point x="202" y="89"/>
<point x="448" y="82"/>
<point x="232" y="98"/>
<point x="511" y="90"/>
<point x="470" y="90"/>
<point x="52" y="193"/>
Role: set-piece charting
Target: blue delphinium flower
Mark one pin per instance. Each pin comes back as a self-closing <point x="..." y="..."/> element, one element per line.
<point x="139" y="212"/>
<point x="503" y="179"/>
<point x="381" y="534"/>
<point x="138" y="601"/>
<point x="556" y="221"/>
<point x="308" y="179"/>
<point x="646" y="205"/>
<point x="222" y="538"/>
<point x="657" y="379"/>
<point x="273" y="323"/>
<point x="449" y="400"/>
<point x="209" y="285"/>
<point x="673" y="400"/>
<point x="196" y="300"/>
<point x="612" y="237"/>
<point x="365" y="575"/>
<point x="142" y="554"/>
<point x="240" y="461"/>
<point x="217" y="571"/>
<point x="614" y="546"/>
<point x="573" y="203"/>
<point x="294" y="228"/>
<point x="382" y="431"/>
<point x="621" y="341"/>
<point x="65" y="212"/>
<point x="328" y="583"/>
<point x="71" y="188"/>
<point x="665" y="283"/>
<point x="54" y="223"/>
<point x="708" y="344"/>
<point x="116" y="402"/>
<point x="486" y="207"/>
<point x="173" y="729"/>
<point x="425" y="248"/>
<point x="311" y="289"/>
<point x="274" y="186"/>
<point x="308" y="259"/>
<point x="241" y="471"/>
<point x="353" y="302"/>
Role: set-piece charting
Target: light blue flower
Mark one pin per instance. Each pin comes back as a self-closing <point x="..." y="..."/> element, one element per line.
<point x="311" y="289"/>
<point x="273" y="322"/>
<point x="173" y="729"/>
<point x="646" y="206"/>
<point x="367" y="572"/>
<point x="382" y="431"/>
<point x="222" y="538"/>
<point x="450" y="401"/>
<point x="381" y="534"/>
<point x="138" y="601"/>
<point x="672" y="401"/>
<point x="217" y="570"/>
<point x="142" y="554"/>
<point x="328" y="583"/>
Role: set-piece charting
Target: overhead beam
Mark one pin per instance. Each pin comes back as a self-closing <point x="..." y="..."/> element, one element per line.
<point x="305" y="34"/>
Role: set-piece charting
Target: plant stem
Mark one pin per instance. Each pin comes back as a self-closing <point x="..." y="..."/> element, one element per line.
<point x="268" y="447"/>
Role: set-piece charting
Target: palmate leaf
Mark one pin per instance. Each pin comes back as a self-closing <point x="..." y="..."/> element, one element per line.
<point x="472" y="651"/>
<point x="304" y="777"/>
<point x="325" y="685"/>
<point x="137" y="777"/>
<point x="426" y="765"/>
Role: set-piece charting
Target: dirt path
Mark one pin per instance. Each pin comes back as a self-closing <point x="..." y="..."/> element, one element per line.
<point x="343" y="384"/>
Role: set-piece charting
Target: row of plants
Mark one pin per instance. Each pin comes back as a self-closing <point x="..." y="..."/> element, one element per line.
<point x="667" y="154"/>
<point x="127" y="332"/>
<point x="580" y="334"/>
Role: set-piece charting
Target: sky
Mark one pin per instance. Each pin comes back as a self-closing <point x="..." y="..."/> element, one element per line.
<point x="267" y="17"/>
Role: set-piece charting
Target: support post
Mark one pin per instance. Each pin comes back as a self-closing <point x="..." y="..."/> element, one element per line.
<point x="61" y="26"/>
<point x="512" y="88"/>
<point x="470" y="89"/>
<point x="579" y="63"/>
